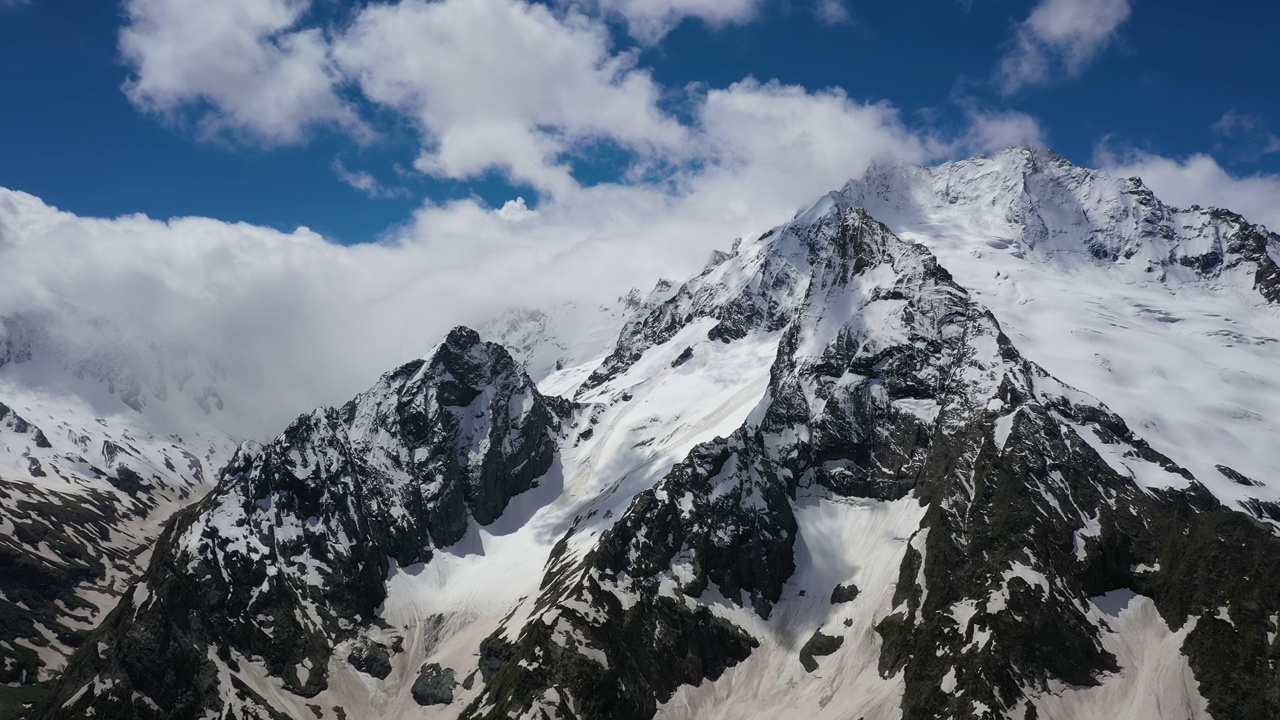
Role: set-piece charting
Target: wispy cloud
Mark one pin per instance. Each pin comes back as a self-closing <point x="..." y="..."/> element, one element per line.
<point x="833" y="12"/>
<point x="991" y="130"/>
<point x="650" y="20"/>
<point x="365" y="182"/>
<point x="1233" y="123"/>
<point x="1245" y="135"/>
<point x="1059" y="36"/>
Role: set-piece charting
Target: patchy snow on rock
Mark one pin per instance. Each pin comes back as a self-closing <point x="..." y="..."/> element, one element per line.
<point x="1154" y="682"/>
<point x="841" y="541"/>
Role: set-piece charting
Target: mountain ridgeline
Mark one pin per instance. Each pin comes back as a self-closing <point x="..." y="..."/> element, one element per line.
<point x="819" y="479"/>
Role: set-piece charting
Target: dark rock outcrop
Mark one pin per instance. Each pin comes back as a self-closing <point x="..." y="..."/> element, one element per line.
<point x="434" y="685"/>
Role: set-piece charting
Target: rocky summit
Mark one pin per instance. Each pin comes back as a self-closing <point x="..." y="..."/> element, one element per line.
<point x="900" y="457"/>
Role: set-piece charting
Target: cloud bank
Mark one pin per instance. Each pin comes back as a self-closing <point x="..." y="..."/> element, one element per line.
<point x="300" y="321"/>
<point x="649" y="20"/>
<point x="489" y="85"/>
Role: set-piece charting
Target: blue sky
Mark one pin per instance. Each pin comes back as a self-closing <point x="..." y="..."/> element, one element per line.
<point x="1146" y="80"/>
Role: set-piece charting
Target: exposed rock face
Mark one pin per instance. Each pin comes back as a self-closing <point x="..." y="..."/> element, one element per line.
<point x="372" y="659"/>
<point x="817" y="646"/>
<point x="844" y="594"/>
<point x="1009" y="531"/>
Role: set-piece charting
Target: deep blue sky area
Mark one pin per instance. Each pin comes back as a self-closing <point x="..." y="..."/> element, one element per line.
<point x="69" y="134"/>
<point x="71" y="137"/>
<point x="1176" y="67"/>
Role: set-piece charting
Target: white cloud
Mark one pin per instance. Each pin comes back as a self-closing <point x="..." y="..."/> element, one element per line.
<point x="650" y="20"/>
<point x="990" y="131"/>
<point x="365" y="182"/>
<point x="1066" y="34"/>
<point x="1234" y="123"/>
<point x="1200" y="180"/>
<point x="783" y="139"/>
<point x="515" y="210"/>
<point x="764" y="149"/>
<point x="244" y="68"/>
<point x="490" y="84"/>
<point x="503" y="84"/>
<point x="833" y="12"/>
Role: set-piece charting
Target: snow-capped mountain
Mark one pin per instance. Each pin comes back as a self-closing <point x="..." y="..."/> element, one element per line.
<point x="897" y="458"/>
<point x="1168" y="315"/>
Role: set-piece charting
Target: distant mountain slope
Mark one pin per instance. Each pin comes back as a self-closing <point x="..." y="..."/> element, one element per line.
<point x="97" y="449"/>
<point x="82" y="499"/>
<point x="69" y="349"/>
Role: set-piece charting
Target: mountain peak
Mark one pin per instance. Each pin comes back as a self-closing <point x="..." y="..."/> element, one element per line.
<point x="461" y="339"/>
<point x="1040" y="208"/>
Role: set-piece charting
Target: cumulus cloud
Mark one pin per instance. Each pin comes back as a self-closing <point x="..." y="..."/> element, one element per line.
<point x="515" y="210"/>
<point x="824" y="135"/>
<point x="1059" y="35"/>
<point x="490" y="84"/>
<point x="240" y="67"/>
<point x="503" y="84"/>
<point x="1199" y="180"/>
